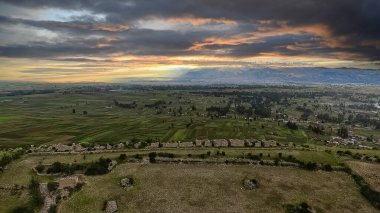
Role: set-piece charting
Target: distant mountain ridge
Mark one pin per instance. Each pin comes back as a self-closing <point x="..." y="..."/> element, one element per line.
<point x="281" y="76"/>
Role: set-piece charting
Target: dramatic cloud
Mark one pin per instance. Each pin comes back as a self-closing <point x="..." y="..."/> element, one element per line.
<point x="184" y="33"/>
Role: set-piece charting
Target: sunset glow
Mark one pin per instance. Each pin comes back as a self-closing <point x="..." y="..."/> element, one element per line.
<point x="117" y="41"/>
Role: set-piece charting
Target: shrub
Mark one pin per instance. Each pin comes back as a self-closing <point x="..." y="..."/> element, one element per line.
<point x="152" y="157"/>
<point x="311" y="166"/>
<point x="40" y="168"/>
<point x="300" y="208"/>
<point x="327" y="167"/>
<point x="123" y="157"/>
<point x="166" y="155"/>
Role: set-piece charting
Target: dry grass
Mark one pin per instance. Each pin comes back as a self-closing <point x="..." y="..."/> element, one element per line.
<point x="217" y="188"/>
<point x="369" y="171"/>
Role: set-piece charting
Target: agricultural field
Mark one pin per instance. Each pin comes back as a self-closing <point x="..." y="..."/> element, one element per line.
<point x="98" y="115"/>
<point x="369" y="171"/>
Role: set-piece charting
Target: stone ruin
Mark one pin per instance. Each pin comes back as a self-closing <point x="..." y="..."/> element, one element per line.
<point x="111" y="206"/>
<point x="126" y="183"/>
<point x="250" y="184"/>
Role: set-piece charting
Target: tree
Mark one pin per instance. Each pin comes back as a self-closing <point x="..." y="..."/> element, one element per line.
<point x="74" y="111"/>
<point x="85" y="112"/>
<point x="152" y="157"/>
<point x="343" y="132"/>
<point x="34" y="191"/>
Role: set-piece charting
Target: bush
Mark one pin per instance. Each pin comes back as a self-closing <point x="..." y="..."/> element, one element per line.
<point x="311" y="166"/>
<point x="40" y="168"/>
<point x="253" y="157"/>
<point x="327" y="167"/>
<point x="123" y="157"/>
<point x="152" y="157"/>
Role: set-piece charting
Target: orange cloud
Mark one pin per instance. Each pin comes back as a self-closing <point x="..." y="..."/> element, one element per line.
<point x="196" y="21"/>
<point x="112" y="28"/>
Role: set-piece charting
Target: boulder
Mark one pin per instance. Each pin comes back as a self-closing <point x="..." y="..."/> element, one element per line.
<point x="111" y="206"/>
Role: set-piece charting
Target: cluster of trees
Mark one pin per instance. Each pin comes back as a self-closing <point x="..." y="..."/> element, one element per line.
<point x="364" y="119"/>
<point x="219" y="111"/>
<point x="58" y="167"/>
<point x="156" y="104"/>
<point x="317" y="129"/>
<point x="30" y="92"/>
<point x="7" y="158"/>
<point x="325" y="117"/>
<point x="132" y="105"/>
<point x="262" y="110"/>
<point x="99" y="167"/>
<point x="306" y="112"/>
<point x="343" y="132"/>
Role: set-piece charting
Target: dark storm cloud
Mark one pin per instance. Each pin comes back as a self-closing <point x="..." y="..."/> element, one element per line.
<point x="355" y="22"/>
<point x="135" y="42"/>
<point x="344" y="16"/>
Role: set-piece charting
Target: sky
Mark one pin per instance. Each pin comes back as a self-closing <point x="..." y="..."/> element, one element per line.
<point x="118" y="41"/>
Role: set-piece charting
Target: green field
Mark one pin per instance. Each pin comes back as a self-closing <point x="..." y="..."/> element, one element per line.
<point x="49" y="119"/>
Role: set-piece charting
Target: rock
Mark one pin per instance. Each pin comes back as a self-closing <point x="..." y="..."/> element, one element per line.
<point x="126" y="183"/>
<point x="111" y="206"/>
<point x="112" y="165"/>
<point x="250" y="184"/>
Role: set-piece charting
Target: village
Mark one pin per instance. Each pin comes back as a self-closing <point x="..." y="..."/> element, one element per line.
<point x="353" y="141"/>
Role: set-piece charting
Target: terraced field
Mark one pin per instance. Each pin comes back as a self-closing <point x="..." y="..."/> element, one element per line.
<point x="369" y="171"/>
<point x="48" y="118"/>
